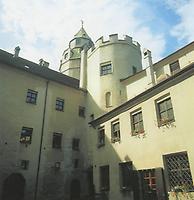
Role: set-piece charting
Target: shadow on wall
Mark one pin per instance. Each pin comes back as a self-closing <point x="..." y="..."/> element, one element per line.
<point x="13" y="187"/>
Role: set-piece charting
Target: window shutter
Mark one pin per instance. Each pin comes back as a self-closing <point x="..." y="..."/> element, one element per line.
<point x="136" y="180"/>
<point x="160" y="184"/>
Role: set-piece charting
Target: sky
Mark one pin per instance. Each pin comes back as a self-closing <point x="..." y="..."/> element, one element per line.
<point x="43" y="28"/>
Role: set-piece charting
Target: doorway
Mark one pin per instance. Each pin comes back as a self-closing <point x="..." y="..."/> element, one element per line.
<point x="13" y="187"/>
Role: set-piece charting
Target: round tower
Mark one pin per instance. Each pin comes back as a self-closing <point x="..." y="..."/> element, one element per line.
<point x="107" y="63"/>
<point x="71" y="58"/>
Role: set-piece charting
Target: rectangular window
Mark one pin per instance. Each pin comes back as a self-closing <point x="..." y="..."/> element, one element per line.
<point x="104" y="178"/>
<point x="24" y="164"/>
<point x="75" y="144"/>
<point x="26" y="135"/>
<point x="137" y="123"/>
<point x="125" y="175"/>
<point x="165" y="111"/>
<point x="81" y="111"/>
<point x="105" y="69"/>
<point x="115" y="131"/>
<point x="101" y="137"/>
<point x="178" y="169"/>
<point x="76" y="163"/>
<point x="174" y="67"/>
<point x="31" y="96"/>
<point x="59" y="104"/>
<point x="57" y="140"/>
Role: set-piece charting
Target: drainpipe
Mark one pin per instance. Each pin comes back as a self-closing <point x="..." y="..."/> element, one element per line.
<point x="41" y="141"/>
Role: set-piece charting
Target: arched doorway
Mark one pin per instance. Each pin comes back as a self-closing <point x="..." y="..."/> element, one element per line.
<point x="13" y="187"/>
<point x="75" y="190"/>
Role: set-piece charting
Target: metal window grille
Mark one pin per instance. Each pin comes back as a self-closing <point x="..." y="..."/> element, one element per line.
<point x="179" y="171"/>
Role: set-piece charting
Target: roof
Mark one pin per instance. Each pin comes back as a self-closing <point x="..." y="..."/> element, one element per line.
<point x="34" y="68"/>
<point x="163" y="85"/>
<point x="179" y="51"/>
<point x="81" y="33"/>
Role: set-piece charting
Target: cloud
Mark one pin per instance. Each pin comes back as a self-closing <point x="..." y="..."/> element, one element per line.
<point x="184" y="30"/>
<point x="43" y="28"/>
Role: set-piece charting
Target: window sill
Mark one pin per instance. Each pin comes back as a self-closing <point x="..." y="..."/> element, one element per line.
<point x="135" y="133"/>
<point x="165" y="122"/>
<point x="116" y="139"/>
<point x="100" y="145"/>
<point x="124" y="189"/>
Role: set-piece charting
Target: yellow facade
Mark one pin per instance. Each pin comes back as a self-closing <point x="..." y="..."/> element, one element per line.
<point x="106" y="90"/>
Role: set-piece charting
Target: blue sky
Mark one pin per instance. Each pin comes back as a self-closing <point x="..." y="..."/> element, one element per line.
<point x="42" y="28"/>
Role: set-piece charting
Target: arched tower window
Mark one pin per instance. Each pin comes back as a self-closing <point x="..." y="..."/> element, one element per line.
<point x="108" y="99"/>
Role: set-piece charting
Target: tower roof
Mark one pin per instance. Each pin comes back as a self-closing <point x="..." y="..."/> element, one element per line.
<point x="81" y="33"/>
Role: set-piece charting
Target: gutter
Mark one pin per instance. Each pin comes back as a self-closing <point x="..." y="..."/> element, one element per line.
<point x="41" y="142"/>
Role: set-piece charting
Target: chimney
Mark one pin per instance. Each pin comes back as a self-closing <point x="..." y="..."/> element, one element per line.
<point x="43" y="63"/>
<point x="149" y="66"/>
<point x="16" y="51"/>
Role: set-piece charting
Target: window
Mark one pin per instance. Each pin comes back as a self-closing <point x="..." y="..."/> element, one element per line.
<point x="125" y="175"/>
<point x="101" y="137"/>
<point x="134" y="70"/>
<point x="26" y="135"/>
<point x="24" y="164"/>
<point x="165" y="111"/>
<point x="59" y="104"/>
<point x="115" y="131"/>
<point x="178" y="169"/>
<point x="31" y="96"/>
<point x="137" y="123"/>
<point x="75" y="144"/>
<point x="75" y="163"/>
<point x="174" y="67"/>
<point x="108" y="99"/>
<point x="57" y="139"/>
<point x="66" y="55"/>
<point x="105" y="69"/>
<point x="104" y="178"/>
<point x="81" y="111"/>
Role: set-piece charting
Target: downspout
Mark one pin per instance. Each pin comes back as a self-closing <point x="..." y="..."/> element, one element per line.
<point x="41" y="141"/>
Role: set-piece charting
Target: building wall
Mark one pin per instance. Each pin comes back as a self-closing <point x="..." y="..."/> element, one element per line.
<point x="146" y="151"/>
<point x="16" y="113"/>
<point x="122" y="55"/>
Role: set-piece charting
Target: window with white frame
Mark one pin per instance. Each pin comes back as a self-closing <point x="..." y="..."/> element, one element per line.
<point x="105" y="69"/>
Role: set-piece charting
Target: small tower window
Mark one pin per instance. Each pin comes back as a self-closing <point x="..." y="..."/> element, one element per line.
<point x="108" y="99"/>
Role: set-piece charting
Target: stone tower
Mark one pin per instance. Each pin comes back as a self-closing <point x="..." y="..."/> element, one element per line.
<point x="71" y="58"/>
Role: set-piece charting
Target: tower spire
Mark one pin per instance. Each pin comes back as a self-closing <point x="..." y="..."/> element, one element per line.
<point x="82" y="23"/>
